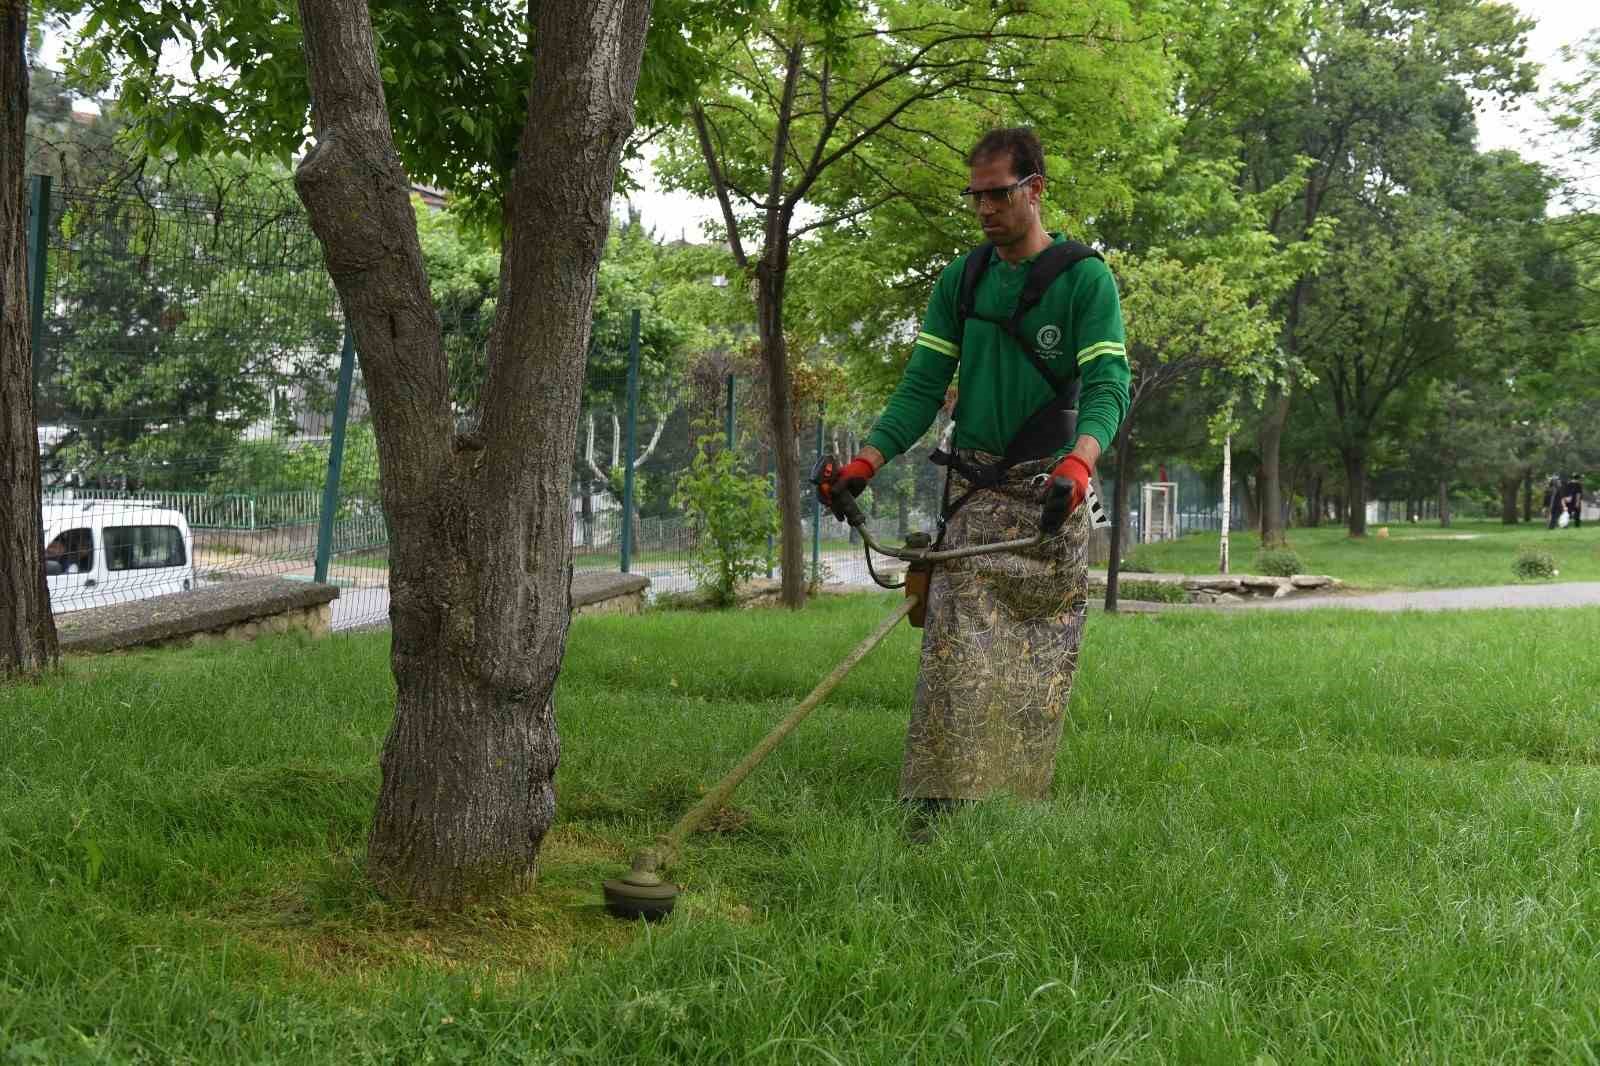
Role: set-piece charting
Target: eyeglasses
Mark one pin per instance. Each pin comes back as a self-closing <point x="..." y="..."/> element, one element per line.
<point x="998" y="197"/>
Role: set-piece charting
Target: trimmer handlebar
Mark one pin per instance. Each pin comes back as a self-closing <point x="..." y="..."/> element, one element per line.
<point x="842" y="502"/>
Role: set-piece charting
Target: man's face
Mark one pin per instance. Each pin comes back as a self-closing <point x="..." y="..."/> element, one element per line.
<point x="1004" y="221"/>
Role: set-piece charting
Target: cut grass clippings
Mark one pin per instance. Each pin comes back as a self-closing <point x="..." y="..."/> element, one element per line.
<point x="1321" y="837"/>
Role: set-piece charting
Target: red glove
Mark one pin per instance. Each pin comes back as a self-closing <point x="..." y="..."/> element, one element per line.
<point x="853" y="476"/>
<point x="1069" y="487"/>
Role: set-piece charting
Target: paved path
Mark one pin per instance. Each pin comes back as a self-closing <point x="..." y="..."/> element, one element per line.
<point x="370" y="606"/>
<point x="1565" y="594"/>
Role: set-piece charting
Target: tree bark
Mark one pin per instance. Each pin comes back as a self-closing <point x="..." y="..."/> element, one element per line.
<point x="1444" y="504"/>
<point x="1314" y="501"/>
<point x="480" y="523"/>
<point x="1355" y="469"/>
<point x="780" y="406"/>
<point x="1271" y="490"/>
<point x="1508" y="499"/>
<point x="1119" y="511"/>
<point x="27" y="631"/>
<point x="1527" y="495"/>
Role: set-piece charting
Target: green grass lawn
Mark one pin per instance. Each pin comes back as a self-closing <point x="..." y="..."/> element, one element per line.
<point x="1469" y="553"/>
<point x="1275" y="838"/>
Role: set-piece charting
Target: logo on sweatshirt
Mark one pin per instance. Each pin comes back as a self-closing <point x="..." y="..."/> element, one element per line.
<point x="1049" y="337"/>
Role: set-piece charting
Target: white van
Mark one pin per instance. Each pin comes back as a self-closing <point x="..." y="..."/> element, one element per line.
<point x="99" y="552"/>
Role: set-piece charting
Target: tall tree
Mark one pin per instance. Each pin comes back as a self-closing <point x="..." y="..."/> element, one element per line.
<point x="1369" y="109"/>
<point x="825" y="115"/>
<point x="27" y="632"/>
<point x="480" y="521"/>
<point x="529" y="108"/>
<point x="1450" y="274"/>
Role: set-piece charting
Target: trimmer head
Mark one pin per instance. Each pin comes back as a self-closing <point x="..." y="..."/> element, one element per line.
<point x="640" y="894"/>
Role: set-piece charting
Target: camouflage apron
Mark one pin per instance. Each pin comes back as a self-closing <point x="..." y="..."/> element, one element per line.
<point x="999" y="649"/>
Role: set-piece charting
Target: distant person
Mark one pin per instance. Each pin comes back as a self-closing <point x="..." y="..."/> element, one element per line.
<point x="1572" y="499"/>
<point x="1553" y="502"/>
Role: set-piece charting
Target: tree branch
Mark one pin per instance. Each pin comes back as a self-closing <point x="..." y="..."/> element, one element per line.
<point x="847" y="216"/>
<point x="580" y="112"/>
<point x="358" y="198"/>
<point x="720" y="185"/>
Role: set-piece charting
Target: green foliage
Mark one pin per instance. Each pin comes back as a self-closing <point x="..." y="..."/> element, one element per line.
<point x="1136" y="563"/>
<point x="732" y="513"/>
<point x="186" y="312"/>
<point x="1534" y="564"/>
<point x="1152" y="591"/>
<point x="455" y="78"/>
<point x="887" y="100"/>
<point x="281" y="465"/>
<point x="1279" y="563"/>
<point x="271" y="465"/>
<point x="1195" y="322"/>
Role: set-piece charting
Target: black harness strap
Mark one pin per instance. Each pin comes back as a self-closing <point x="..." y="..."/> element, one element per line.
<point x="1051" y="424"/>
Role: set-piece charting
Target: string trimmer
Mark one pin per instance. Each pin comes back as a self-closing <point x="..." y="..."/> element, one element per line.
<point x="642" y="892"/>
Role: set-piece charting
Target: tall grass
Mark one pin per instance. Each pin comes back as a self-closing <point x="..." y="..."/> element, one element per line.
<point x="1274" y="838"/>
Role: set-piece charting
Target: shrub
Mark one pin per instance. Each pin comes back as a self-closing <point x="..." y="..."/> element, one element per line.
<point x="1280" y="563"/>
<point x="732" y="513"/>
<point x="1152" y="591"/>
<point x="1137" y="564"/>
<point x="1533" y="564"/>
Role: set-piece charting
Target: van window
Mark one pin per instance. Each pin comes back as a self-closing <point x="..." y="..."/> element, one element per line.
<point x="143" y="547"/>
<point x="72" y="552"/>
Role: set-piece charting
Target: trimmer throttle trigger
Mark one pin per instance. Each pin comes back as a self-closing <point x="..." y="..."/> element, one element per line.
<point x="837" y="498"/>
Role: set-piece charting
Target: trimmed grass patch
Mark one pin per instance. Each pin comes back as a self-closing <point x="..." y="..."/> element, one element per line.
<point x="1332" y="836"/>
<point x="1469" y="553"/>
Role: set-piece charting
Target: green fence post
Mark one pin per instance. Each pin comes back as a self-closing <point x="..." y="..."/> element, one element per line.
<point x="38" y="266"/>
<point x="330" y="487"/>
<point x="633" y="420"/>
<point x="816" y="512"/>
<point x="731" y="424"/>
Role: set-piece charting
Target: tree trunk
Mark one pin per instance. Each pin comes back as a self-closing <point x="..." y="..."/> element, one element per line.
<point x="780" y="406"/>
<point x="1444" y="504"/>
<point x="1355" y="469"/>
<point x="1527" y="496"/>
<point x="1508" y="499"/>
<point x="27" y="631"/>
<point x="1315" y="502"/>
<point x="480" y="522"/>
<point x="1119" y="511"/>
<point x="1227" y="502"/>
<point x="1251" y="511"/>
<point x="1271" y="490"/>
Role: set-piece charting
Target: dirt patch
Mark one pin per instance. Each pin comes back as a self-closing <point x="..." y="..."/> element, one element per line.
<point x="359" y="937"/>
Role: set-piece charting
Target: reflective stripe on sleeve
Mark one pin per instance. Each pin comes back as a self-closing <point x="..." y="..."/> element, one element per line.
<point x="939" y="344"/>
<point x="1095" y="351"/>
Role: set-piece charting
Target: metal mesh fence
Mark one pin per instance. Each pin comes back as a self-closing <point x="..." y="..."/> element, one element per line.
<point x="184" y="365"/>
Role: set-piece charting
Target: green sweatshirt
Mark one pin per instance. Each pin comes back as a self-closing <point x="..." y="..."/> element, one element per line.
<point x="1077" y="330"/>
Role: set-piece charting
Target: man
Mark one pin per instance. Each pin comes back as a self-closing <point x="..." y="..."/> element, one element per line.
<point x="1572" y="499"/>
<point x="1001" y="639"/>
